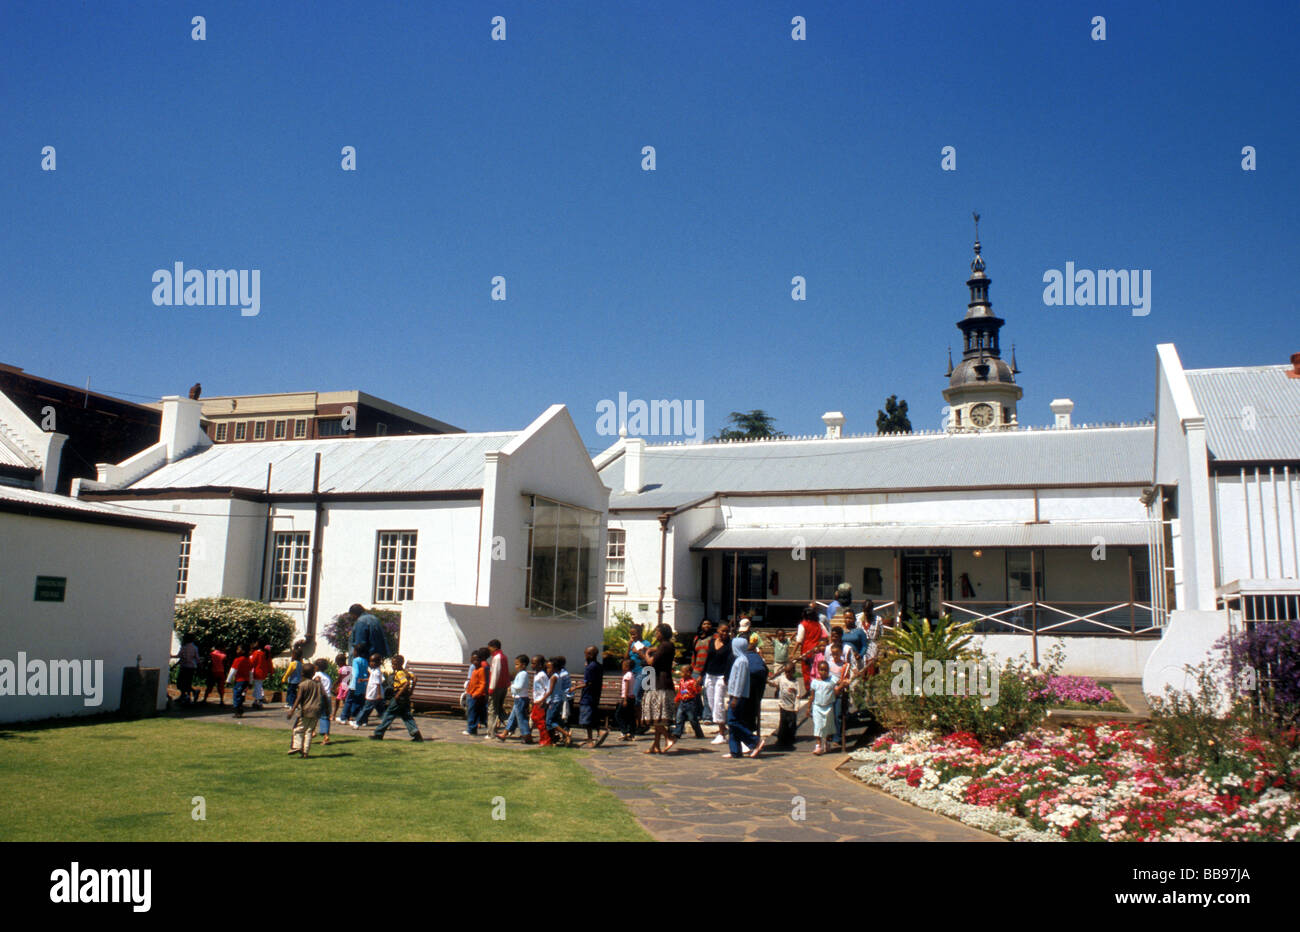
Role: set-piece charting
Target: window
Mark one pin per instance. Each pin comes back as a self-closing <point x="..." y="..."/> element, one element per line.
<point x="221" y="433"/>
<point x="333" y="427"/>
<point x="281" y="429"/>
<point x="381" y="429"/>
<point x="183" y="568"/>
<point x="241" y="431"/>
<point x="289" y="572"/>
<point x="615" y="557"/>
<point x="395" y="566"/>
<point x="259" y="430"/>
<point x="300" y="428"/>
<point x="563" y="545"/>
<point x="830" y="573"/>
<point x="872" y="581"/>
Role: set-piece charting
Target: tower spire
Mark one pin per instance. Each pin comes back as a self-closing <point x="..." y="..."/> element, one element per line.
<point x="948" y="374"/>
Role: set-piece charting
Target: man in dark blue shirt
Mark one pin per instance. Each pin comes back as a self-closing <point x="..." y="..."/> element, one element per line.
<point x="368" y="635"/>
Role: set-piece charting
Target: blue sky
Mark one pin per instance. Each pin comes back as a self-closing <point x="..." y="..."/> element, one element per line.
<point x="522" y="158"/>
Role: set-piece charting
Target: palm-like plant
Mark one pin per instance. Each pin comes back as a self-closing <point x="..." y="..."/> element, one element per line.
<point x="943" y="639"/>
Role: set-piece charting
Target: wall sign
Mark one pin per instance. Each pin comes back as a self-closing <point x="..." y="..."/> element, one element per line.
<point x="50" y="588"/>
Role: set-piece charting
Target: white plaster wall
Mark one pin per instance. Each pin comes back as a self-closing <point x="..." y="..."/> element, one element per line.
<point x="118" y="604"/>
<point x="1257" y="542"/>
<point x="1182" y="461"/>
<point x="1188" y="640"/>
<point x="445" y="557"/>
<point x="549" y="459"/>
<point x="941" y="507"/>
<point x="1120" y="657"/>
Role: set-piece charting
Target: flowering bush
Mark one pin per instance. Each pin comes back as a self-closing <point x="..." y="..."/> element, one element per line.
<point x="1104" y="783"/>
<point x="226" y="623"/>
<point x="1079" y="690"/>
<point x="1269" y="652"/>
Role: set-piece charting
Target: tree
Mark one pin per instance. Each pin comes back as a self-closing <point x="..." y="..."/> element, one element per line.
<point x="893" y="420"/>
<point x="756" y="425"/>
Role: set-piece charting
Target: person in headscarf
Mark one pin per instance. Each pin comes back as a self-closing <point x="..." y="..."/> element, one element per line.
<point x="740" y="738"/>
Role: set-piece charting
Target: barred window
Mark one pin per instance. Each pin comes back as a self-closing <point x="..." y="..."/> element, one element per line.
<point x="395" y="566"/>
<point x="221" y="433"/>
<point x="241" y="430"/>
<point x="183" y="567"/>
<point x="300" y="428"/>
<point x="259" y="430"/>
<point x="615" y="557"/>
<point x="281" y="430"/>
<point x="289" y="573"/>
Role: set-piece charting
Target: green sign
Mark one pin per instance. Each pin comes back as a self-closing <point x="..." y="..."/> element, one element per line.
<point x="643" y="607"/>
<point x="50" y="588"/>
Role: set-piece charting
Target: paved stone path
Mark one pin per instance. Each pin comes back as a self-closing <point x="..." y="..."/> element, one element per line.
<point x="695" y="794"/>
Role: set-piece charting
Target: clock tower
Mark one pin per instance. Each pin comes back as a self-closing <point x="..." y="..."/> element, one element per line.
<point x="982" y="390"/>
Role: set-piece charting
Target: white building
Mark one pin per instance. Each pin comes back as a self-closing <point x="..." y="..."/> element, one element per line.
<point x="470" y="535"/>
<point x="1227" y="466"/>
<point x="948" y="522"/>
<point x="87" y="588"/>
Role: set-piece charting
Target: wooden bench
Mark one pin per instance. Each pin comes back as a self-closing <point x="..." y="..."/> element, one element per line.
<point x="438" y="685"/>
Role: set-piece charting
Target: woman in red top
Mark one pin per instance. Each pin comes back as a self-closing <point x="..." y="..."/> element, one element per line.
<point x="808" y="637"/>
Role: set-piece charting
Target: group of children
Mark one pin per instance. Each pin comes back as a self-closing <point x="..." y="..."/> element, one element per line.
<point x="362" y="688"/>
<point x="541" y="692"/>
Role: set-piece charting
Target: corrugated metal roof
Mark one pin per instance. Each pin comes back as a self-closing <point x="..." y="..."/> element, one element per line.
<point x="1251" y="412"/>
<point x="1082" y="534"/>
<point x="48" y="500"/>
<point x="420" y="463"/>
<point x="1068" y="457"/>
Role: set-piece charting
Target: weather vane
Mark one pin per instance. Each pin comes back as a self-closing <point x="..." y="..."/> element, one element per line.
<point x="977" y="225"/>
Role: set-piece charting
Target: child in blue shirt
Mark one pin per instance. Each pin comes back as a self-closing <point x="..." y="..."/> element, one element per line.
<point x="521" y="690"/>
<point x="557" y="699"/>
<point x="357" y="689"/>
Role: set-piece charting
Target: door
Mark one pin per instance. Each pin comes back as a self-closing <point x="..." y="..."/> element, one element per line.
<point x="927" y="582"/>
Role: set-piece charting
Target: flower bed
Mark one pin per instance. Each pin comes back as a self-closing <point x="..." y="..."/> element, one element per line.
<point x="1104" y="783"/>
<point x="1077" y="692"/>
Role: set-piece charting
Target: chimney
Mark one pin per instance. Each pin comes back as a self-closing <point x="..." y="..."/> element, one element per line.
<point x="182" y="426"/>
<point x="834" y="421"/>
<point x="1062" y="407"/>
<point x="1295" y="367"/>
<point x="633" y="454"/>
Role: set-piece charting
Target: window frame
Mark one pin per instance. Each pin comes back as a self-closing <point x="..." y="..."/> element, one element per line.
<point x="183" y="564"/>
<point x="290" y="566"/>
<point x="616" y="561"/>
<point x="401" y="577"/>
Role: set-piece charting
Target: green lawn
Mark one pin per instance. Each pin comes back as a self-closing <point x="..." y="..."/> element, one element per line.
<point x="134" y="781"/>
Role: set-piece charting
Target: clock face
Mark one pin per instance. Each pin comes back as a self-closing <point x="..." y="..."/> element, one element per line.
<point x="981" y="415"/>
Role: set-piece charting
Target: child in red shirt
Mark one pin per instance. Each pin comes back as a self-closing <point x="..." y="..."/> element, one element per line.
<point x="689" y="704"/>
<point x="241" y="669"/>
<point x="216" y="675"/>
<point x="260" y="659"/>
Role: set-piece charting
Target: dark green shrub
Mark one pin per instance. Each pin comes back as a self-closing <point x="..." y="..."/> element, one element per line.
<point x="226" y="622"/>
